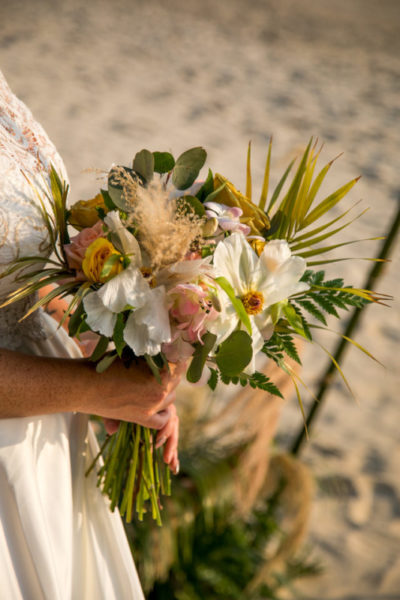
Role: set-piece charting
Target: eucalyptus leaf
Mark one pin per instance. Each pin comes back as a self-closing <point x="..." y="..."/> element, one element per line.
<point x="108" y="200"/>
<point x="234" y="354"/>
<point x="116" y="194"/>
<point x="143" y="165"/>
<point x="200" y="356"/>
<point x="187" y="167"/>
<point x="191" y="204"/>
<point x="164" y="162"/>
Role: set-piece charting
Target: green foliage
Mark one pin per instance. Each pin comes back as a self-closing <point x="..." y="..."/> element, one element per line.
<point x="207" y="188"/>
<point x="200" y="355"/>
<point x="327" y="296"/>
<point x="187" y="167"/>
<point x="256" y="381"/>
<point x="164" y="162"/>
<point x="207" y="551"/>
<point x="234" y="354"/>
<point x="236" y="302"/>
<point x="279" y="346"/>
<point x="191" y="204"/>
<point x="143" y="165"/>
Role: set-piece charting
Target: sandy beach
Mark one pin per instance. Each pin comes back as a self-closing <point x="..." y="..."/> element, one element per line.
<point x="106" y="79"/>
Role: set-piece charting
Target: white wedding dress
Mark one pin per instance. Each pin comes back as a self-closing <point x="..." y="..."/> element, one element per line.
<point x="58" y="538"/>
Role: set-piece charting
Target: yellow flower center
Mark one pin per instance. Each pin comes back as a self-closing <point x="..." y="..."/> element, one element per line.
<point x="253" y="302"/>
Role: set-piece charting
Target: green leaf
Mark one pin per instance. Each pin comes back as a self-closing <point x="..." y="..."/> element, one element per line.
<point x="213" y="381"/>
<point x="109" y="264"/>
<point x="200" y="356"/>
<point x="187" y="167"/>
<point x="75" y="320"/>
<point x="143" y="165"/>
<point x="118" y="335"/>
<point x="264" y="191"/>
<point x="294" y="319"/>
<point x="236" y="302"/>
<point x="108" y="200"/>
<point x="207" y="187"/>
<point x="235" y="353"/>
<point x="248" y="173"/>
<point x="155" y="369"/>
<point x="328" y="203"/>
<point x="163" y="162"/>
<point x="191" y="204"/>
<point x="279" y="187"/>
<point x="101" y="348"/>
<point x="116" y="192"/>
<point x="106" y="362"/>
<point x="215" y="193"/>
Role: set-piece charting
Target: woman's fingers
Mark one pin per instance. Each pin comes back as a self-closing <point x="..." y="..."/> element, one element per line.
<point x="111" y="425"/>
<point x="171" y="445"/>
<point x="158" y="420"/>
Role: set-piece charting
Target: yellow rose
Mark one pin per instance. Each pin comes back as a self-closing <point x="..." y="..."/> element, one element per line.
<point x="257" y="245"/>
<point x="95" y="257"/>
<point x="84" y="214"/>
<point x="252" y="216"/>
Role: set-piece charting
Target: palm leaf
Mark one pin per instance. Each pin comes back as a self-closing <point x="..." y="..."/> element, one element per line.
<point x="328" y="234"/>
<point x="287" y="205"/>
<point x="248" y="173"/>
<point x="328" y="203"/>
<point x="281" y="183"/>
<point x="264" y="190"/>
<point x="325" y="249"/>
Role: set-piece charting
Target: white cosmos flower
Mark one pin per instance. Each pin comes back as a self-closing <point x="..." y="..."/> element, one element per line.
<point x="259" y="282"/>
<point x="147" y="326"/>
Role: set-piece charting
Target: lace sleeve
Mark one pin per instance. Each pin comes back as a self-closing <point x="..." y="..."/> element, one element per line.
<point x="26" y="154"/>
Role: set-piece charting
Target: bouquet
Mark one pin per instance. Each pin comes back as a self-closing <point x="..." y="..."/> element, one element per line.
<point x="166" y="268"/>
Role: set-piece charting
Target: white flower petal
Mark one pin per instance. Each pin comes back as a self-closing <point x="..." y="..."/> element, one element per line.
<point x="99" y="317"/>
<point x="235" y="260"/>
<point x="148" y="327"/>
<point x="275" y="253"/>
<point x="128" y="288"/>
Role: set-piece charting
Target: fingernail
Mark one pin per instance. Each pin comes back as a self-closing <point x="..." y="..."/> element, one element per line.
<point x="176" y="469"/>
<point x="161" y="442"/>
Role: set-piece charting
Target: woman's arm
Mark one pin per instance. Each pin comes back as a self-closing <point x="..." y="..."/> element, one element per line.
<point x="33" y="385"/>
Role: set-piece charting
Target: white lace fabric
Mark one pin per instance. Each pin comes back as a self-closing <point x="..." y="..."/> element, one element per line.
<point x="26" y="154"/>
<point x="58" y="538"/>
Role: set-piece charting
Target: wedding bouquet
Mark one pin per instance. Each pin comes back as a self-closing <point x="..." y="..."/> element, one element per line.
<point x="168" y="268"/>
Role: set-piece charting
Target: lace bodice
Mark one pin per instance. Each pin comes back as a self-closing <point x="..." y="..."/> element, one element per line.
<point x="26" y="153"/>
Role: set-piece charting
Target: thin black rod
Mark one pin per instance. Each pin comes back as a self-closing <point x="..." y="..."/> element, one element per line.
<point x="326" y="380"/>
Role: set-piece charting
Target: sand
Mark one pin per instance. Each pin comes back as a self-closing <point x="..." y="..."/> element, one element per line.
<point x="108" y="78"/>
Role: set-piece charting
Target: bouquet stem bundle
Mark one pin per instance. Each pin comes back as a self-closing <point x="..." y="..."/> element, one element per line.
<point x="133" y="472"/>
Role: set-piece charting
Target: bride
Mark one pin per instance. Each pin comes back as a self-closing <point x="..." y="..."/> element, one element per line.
<point x="58" y="538"/>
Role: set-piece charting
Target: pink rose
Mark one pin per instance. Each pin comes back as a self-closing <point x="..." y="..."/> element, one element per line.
<point x="75" y="251"/>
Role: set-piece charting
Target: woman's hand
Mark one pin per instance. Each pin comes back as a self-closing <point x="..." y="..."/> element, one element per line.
<point x="132" y="394"/>
<point x="168" y="437"/>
